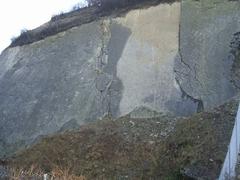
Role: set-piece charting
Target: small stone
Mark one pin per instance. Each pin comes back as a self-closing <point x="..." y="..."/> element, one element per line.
<point x="133" y="124"/>
<point x="164" y="134"/>
<point x="151" y="142"/>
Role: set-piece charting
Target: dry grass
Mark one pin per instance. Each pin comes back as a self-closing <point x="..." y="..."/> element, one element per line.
<point x="36" y="173"/>
<point x="117" y="149"/>
<point x="19" y="173"/>
<point x="64" y="174"/>
<point x="75" y="18"/>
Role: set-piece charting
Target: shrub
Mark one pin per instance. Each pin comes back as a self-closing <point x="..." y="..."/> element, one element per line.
<point x="24" y="30"/>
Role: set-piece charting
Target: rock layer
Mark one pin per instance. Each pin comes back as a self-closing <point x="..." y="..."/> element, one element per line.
<point x="203" y="69"/>
<point x="169" y="58"/>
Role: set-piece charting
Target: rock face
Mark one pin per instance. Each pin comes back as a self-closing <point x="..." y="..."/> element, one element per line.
<point x="171" y="58"/>
<point x="203" y="69"/>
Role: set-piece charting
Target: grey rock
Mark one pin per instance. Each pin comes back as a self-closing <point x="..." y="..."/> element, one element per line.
<point x="204" y="67"/>
<point x="3" y="173"/>
<point x="70" y="125"/>
<point x="48" y="83"/>
<point x="144" y="112"/>
<point x="171" y="58"/>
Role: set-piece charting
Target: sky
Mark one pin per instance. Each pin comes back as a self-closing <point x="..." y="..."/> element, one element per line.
<point x="16" y="15"/>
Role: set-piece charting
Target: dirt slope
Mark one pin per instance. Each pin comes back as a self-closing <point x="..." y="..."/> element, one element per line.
<point x="157" y="148"/>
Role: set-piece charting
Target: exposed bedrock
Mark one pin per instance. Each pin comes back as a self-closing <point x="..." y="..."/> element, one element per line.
<point x="65" y="78"/>
<point x="203" y="67"/>
<point x="171" y="58"/>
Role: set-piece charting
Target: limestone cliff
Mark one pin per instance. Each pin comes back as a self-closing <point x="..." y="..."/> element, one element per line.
<point x="173" y="58"/>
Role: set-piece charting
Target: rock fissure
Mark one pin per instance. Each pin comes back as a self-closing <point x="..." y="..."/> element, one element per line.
<point x="199" y="102"/>
<point x="101" y="62"/>
<point x="235" y="84"/>
<point x="179" y="45"/>
<point x="188" y="74"/>
<point x="196" y="77"/>
<point x="192" y="71"/>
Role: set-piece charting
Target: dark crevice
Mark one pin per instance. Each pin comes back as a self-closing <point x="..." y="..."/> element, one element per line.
<point x="191" y="70"/>
<point x="179" y="43"/>
<point x="234" y="83"/>
<point x="199" y="102"/>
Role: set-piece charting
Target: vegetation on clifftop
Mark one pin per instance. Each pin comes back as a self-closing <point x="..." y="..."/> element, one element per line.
<point x="85" y="15"/>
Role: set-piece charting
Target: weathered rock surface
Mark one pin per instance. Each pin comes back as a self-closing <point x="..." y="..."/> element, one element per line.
<point x="203" y="69"/>
<point x="170" y="58"/>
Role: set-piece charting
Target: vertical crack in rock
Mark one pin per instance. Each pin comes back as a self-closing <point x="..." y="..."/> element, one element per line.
<point x="108" y="86"/>
<point x="179" y="47"/>
<point x="188" y="75"/>
<point x="192" y="73"/>
<point x="179" y="43"/>
<point x="199" y="102"/>
<point x="103" y="80"/>
<point x="115" y="47"/>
